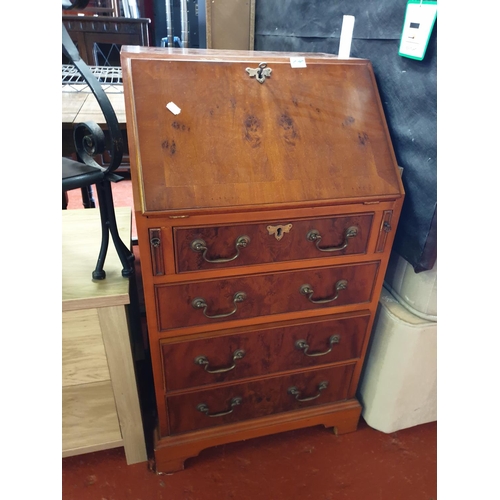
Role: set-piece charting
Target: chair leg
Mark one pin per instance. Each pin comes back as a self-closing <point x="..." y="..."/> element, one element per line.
<point x="64" y="200"/>
<point x="108" y="223"/>
<point x="99" y="273"/>
<point x="87" y="197"/>
<point x="126" y="256"/>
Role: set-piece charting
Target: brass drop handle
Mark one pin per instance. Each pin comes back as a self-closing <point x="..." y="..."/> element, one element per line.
<point x="200" y="303"/>
<point x="307" y="290"/>
<point x="302" y="345"/>
<point x="315" y="236"/>
<point x="233" y="403"/>
<point x="295" y="392"/>
<point x="200" y="245"/>
<point x="203" y="361"/>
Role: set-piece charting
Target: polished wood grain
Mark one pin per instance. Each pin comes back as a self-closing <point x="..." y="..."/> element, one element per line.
<point x="265" y="247"/>
<point x="172" y="451"/>
<point x="266" y="294"/>
<point x="165" y="227"/>
<point x="268" y="350"/>
<point x="307" y="147"/>
<point x="259" y="398"/>
<point x="281" y="139"/>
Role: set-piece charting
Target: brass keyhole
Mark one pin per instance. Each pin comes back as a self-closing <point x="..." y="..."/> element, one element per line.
<point x="279" y="231"/>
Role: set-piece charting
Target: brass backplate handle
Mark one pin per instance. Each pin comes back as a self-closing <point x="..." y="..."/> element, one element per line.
<point x="203" y="361"/>
<point x="295" y="392"/>
<point x="200" y="245"/>
<point x="200" y="303"/>
<point x="233" y="403"/>
<point x="302" y="345"/>
<point x="314" y="236"/>
<point x="309" y="292"/>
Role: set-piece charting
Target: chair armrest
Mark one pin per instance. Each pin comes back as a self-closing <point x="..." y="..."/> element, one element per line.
<point x="116" y="138"/>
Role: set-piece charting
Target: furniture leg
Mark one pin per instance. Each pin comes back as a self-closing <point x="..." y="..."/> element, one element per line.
<point x="126" y="256"/>
<point x="108" y="225"/>
<point x="87" y="197"/>
<point x="99" y="273"/>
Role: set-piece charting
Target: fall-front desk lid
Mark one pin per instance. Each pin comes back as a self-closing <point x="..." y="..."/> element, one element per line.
<point x="235" y="130"/>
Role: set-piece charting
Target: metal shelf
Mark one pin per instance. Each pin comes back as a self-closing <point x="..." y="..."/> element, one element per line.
<point x="110" y="78"/>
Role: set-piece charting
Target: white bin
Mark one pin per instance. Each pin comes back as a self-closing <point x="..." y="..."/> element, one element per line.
<point x="398" y="385"/>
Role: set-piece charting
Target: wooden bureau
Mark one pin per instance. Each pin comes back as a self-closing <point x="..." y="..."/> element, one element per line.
<point x="266" y="199"/>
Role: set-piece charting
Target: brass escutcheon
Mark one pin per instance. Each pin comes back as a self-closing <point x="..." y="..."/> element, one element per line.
<point x="260" y="73"/>
<point x="279" y="230"/>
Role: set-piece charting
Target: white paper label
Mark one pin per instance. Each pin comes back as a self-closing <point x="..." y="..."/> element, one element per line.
<point x="346" y="37"/>
<point x="298" y="62"/>
<point x="173" y="108"/>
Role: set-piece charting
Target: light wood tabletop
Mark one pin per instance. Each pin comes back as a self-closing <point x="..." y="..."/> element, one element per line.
<point x="100" y="403"/>
<point x="78" y="107"/>
<point x="81" y="240"/>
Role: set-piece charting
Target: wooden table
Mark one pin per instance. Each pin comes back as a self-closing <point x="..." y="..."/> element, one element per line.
<point x="100" y="403"/>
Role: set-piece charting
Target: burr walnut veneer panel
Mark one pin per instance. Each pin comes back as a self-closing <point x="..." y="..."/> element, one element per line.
<point x="269" y="349"/>
<point x="266" y="197"/>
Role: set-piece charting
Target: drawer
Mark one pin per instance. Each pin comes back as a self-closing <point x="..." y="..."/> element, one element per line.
<point x="215" y="247"/>
<point x="238" y="402"/>
<point x="215" y="301"/>
<point x="267" y="350"/>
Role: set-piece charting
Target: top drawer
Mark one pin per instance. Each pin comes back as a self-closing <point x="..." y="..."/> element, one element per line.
<point x="213" y="247"/>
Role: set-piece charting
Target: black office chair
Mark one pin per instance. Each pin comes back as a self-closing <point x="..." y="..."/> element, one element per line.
<point x="89" y="140"/>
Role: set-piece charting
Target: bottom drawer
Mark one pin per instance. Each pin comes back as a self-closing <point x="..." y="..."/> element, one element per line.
<point x="238" y="402"/>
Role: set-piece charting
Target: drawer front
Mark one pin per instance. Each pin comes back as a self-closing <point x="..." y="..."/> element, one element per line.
<point x="216" y="301"/>
<point x="268" y="350"/>
<point x="242" y="245"/>
<point x="235" y="403"/>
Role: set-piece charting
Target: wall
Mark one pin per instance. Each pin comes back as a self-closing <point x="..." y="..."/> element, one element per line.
<point x="407" y="88"/>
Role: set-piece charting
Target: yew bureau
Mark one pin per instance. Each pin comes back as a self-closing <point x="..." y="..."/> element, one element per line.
<point x="266" y="199"/>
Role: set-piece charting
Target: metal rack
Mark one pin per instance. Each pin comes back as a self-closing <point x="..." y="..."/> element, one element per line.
<point x="110" y="78"/>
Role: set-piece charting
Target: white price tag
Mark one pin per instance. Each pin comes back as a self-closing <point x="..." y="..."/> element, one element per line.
<point x="173" y="108"/>
<point x="417" y="28"/>
<point x="346" y="37"/>
<point x="298" y="62"/>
